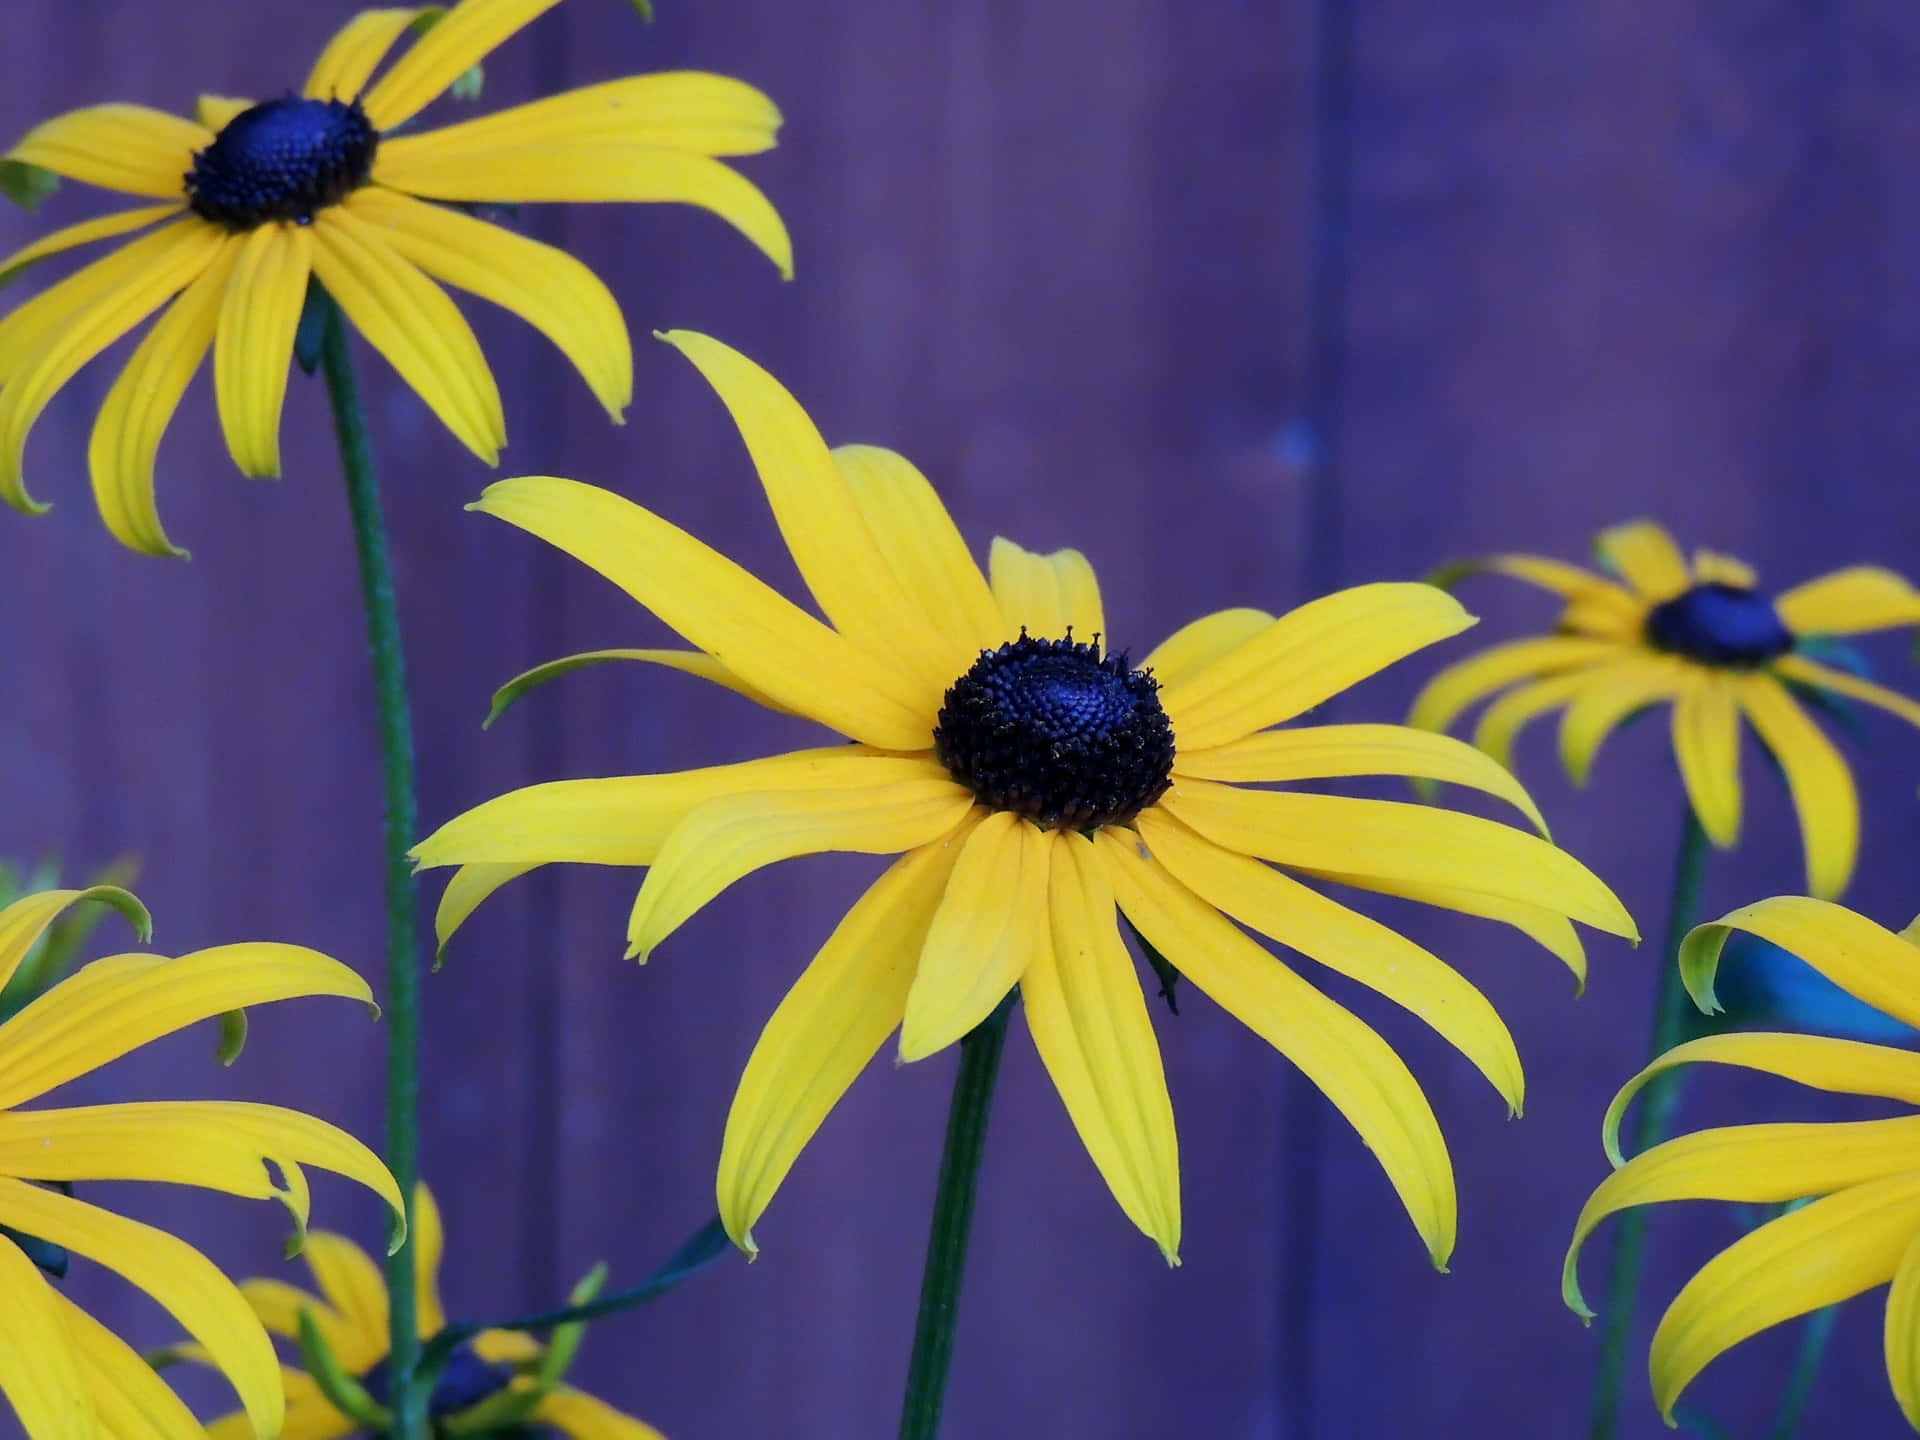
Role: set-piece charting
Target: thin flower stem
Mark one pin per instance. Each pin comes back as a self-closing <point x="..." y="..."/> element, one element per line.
<point x="403" y="950"/>
<point x="1806" y="1369"/>
<point x="952" y="1224"/>
<point x="1673" y="1021"/>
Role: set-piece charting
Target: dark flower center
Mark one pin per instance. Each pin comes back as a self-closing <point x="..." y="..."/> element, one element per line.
<point x="1720" y="624"/>
<point x="465" y="1382"/>
<point x="1050" y="730"/>
<point x="282" y="160"/>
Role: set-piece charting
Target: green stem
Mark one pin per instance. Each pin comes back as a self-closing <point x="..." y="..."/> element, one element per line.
<point x="1806" y="1368"/>
<point x="1673" y="1022"/>
<point x="952" y="1224"/>
<point x="403" y="949"/>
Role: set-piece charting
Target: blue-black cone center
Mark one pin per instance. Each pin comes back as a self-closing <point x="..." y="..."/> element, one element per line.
<point x="1054" y="731"/>
<point x="465" y="1382"/>
<point x="282" y="160"/>
<point x="1719" y="624"/>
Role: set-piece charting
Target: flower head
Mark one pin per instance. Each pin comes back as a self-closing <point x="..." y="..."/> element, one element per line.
<point x="1862" y="1229"/>
<point x="97" y="1015"/>
<point x="495" y="1382"/>
<point x="258" y="198"/>
<point x="1706" y="640"/>
<point x="1030" y="776"/>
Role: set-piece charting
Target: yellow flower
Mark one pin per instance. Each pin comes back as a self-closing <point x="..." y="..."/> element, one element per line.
<point x="258" y="197"/>
<point x="1030" y="780"/>
<point x="1863" y="1229"/>
<point x="350" y="1314"/>
<point x="59" y="1367"/>
<point x="1705" y="640"/>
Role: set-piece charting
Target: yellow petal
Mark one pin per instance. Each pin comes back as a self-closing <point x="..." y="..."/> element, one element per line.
<point x="756" y="633"/>
<point x="410" y="320"/>
<point x="1644" y="555"/>
<point x="1610" y="697"/>
<point x="1501" y="722"/>
<point x="1902" y="1342"/>
<point x="688" y="662"/>
<point x="1849" y="602"/>
<point x="1463" y="684"/>
<point x="352" y="1284"/>
<point x="1282" y="909"/>
<point x="1307" y="656"/>
<point x="1710" y="567"/>
<point x="1351" y="1065"/>
<point x="1197" y="644"/>
<point x="1325" y="752"/>
<point x="356" y="50"/>
<point x="844" y="1005"/>
<point x="119" y="147"/>
<point x="310" y="1416"/>
<point x="583" y="172"/>
<point x="175" y="255"/>
<point x="1570" y="582"/>
<point x="1396" y="841"/>
<point x="24" y="921"/>
<point x="215" y="111"/>
<point x="26" y="329"/>
<point x="506" y="1347"/>
<point x="279" y="1306"/>
<point x="1050" y="596"/>
<point x="819" y="517"/>
<point x="548" y="288"/>
<point x="1839" y="682"/>
<point x="132" y="1402"/>
<point x="886" y="806"/>
<point x="1830" y="1251"/>
<point x="1869" y="962"/>
<point x="184" y="1281"/>
<point x="39" y="1363"/>
<point x="1818" y="777"/>
<point x="105" y="227"/>
<point x="1706" y="744"/>
<point x="126" y="433"/>
<point x="577" y="1414"/>
<point x="122" y="1002"/>
<point x="253" y="350"/>
<point x="460" y="39"/>
<point x="429" y="1243"/>
<point x="470" y="885"/>
<point x="922" y="546"/>
<point x="991" y="920"/>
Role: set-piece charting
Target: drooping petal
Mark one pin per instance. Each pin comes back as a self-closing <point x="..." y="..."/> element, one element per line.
<point x="885" y="807"/>
<point x="1350" y="944"/>
<point x="122" y="1002"/>
<point x="356" y="50"/>
<point x="1902" y="1336"/>
<point x="24" y="921"/>
<point x="1839" y="682"/>
<point x="460" y="39"/>
<point x="689" y="662"/>
<point x="1306" y="656"/>
<point x="1868" y="961"/>
<point x="1829" y="1251"/>
<point x="187" y="1285"/>
<point x="39" y="1365"/>
<point x="1502" y="721"/>
<point x="126" y="432"/>
<point x="429" y="1243"/>
<point x="175" y="255"/>
<point x="1850" y="602"/>
<point x="581" y="173"/>
<point x="410" y="320"/>
<point x="755" y="632"/>
<point x="991" y="919"/>
<point x="104" y="227"/>
<point x="1351" y="1065"/>
<point x="1198" y="643"/>
<point x="1325" y="752"/>
<point x="352" y="1284"/>
<point x="132" y="1402"/>
<point x="279" y="1306"/>
<point x="1644" y="555"/>
<point x="546" y="287"/>
<point x="1089" y="1022"/>
<point x="469" y="886"/>
<point x="1628" y="687"/>
<point x="1392" y="840"/>
<point x="130" y="148"/>
<point x="930" y="561"/>
<point x="1593" y="592"/>
<point x="577" y="1414"/>
<point x="1818" y="777"/>
<point x="26" y="329"/>
<point x="842" y="1008"/>
<point x="1049" y="596"/>
<point x="253" y="349"/>
<point x="1468" y="681"/>
<point x="1706" y="745"/>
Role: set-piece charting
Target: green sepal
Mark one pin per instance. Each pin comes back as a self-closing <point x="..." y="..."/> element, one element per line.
<point x="501" y="1410"/>
<point x="1445" y="577"/>
<point x="26" y="185"/>
<point x="467" y="85"/>
<point x="311" y="333"/>
<point x="565" y="1343"/>
<point x="233" y="1036"/>
<point x="343" y="1392"/>
<point x="1163" y="968"/>
<point x="643" y="8"/>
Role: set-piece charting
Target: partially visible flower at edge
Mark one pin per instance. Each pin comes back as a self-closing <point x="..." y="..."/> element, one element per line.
<point x="1862" y="1230"/>
<point x="1704" y="639"/>
<point x="101" y="1012"/>
<point x="257" y="198"/>
<point x="1031" y="781"/>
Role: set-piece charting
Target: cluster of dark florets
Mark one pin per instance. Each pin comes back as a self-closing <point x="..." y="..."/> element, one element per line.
<point x="282" y="160"/>
<point x="1720" y="624"/>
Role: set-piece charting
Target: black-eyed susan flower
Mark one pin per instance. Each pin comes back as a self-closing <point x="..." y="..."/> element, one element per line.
<point x="1862" y="1229"/>
<point x="1706" y="640"/>
<point x="60" y="1369"/>
<point x="1030" y="778"/>
<point x="253" y="199"/>
<point x="496" y="1382"/>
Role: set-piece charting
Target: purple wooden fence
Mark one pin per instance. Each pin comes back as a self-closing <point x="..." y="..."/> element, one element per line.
<point x="1602" y="259"/>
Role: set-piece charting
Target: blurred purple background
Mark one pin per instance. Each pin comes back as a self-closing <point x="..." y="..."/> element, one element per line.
<point x="1245" y="301"/>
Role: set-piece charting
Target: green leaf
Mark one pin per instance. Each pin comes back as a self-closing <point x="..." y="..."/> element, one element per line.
<point x="26" y="185"/>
